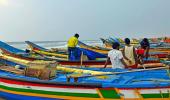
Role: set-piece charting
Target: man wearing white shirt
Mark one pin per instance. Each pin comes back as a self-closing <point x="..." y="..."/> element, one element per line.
<point x="116" y="57"/>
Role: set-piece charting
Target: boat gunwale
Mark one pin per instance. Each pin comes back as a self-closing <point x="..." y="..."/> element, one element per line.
<point x="75" y="84"/>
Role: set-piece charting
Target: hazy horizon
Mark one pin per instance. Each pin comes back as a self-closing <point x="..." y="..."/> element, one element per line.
<point x="58" y="20"/>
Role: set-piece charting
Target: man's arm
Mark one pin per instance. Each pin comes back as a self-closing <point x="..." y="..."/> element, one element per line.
<point x="135" y="55"/>
<point x="123" y="62"/>
<point x="147" y="51"/>
<point x="76" y="42"/>
<point x="106" y="63"/>
<point x="121" y="59"/>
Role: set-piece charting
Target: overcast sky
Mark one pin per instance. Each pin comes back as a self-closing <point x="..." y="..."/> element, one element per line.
<point x="59" y="19"/>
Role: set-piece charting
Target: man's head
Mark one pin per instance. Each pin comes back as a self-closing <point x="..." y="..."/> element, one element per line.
<point x="115" y="45"/>
<point x="76" y="35"/>
<point x="145" y="40"/>
<point x="127" y="41"/>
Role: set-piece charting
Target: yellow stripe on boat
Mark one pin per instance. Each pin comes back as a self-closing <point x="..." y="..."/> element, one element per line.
<point x="96" y="50"/>
<point x="26" y="62"/>
<point x="51" y="54"/>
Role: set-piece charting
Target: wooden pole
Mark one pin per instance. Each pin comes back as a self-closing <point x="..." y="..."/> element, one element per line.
<point x="81" y="60"/>
<point x="113" y="73"/>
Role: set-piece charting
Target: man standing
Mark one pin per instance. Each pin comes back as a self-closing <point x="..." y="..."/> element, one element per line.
<point x="71" y="44"/>
<point x="116" y="57"/>
<point x="129" y="54"/>
<point x="146" y="46"/>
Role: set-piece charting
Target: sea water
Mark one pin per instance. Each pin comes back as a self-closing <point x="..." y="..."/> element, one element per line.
<point x="52" y="44"/>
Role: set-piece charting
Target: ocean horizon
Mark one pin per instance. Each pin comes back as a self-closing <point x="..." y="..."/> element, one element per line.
<point x="51" y="44"/>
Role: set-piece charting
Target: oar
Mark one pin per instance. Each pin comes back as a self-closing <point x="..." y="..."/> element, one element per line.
<point x="154" y="80"/>
<point x="114" y="73"/>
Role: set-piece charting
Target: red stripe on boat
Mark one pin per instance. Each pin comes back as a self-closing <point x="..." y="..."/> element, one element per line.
<point x="18" y="82"/>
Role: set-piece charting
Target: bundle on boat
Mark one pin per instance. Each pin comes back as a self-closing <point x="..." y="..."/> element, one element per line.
<point x="41" y="69"/>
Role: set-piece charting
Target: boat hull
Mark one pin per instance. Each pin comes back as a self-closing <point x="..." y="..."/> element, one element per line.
<point x="16" y="89"/>
<point x="19" y="88"/>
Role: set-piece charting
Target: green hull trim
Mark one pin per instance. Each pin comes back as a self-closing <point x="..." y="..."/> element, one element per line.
<point x="50" y="92"/>
<point x="163" y="95"/>
<point x="110" y="94"/>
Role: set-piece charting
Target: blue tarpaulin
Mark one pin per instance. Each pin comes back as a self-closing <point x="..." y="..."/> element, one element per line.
<point x="92" y="55"/>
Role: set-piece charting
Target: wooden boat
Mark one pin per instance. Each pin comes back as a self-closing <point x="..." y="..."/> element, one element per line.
<point x="106" y="43"/>
<point x="167" y="39"/>
<point x="17" y="53"/>
<point x="88" y="63"/>
<point x="152" y="52"/>
<point x="12" y="52"/>
<point x="149" y="84"/>
<point x="83" y="45"/>
<point x="43" y="51"/>
<point x="159" y="54"/>
<point x="87" y="52"/>
<point x="133" y="41"/>
<point x="164" y="50"/>
<point x="164" y="47"/>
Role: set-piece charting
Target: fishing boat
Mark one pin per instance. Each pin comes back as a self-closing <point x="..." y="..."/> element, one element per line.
<point x="83" y="45"/>
<point x="86" y="83"/>
<point x="152" y="53"/>
<point x="154" y="47"/>
<point x="99" y="50"/>
<point x="106" y="43"/>
<point x="43" y="51"/>
<point x="92" y="55"/>
<point x="159" y="54"/>
<point x="17" y="53"/>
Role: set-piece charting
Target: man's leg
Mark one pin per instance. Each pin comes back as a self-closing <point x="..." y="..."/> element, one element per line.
<point x="69" y="53"/>
<point x="74" y="54"/>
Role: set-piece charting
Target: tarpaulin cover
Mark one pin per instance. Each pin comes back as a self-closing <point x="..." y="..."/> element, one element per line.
<point x="92" y="55"/>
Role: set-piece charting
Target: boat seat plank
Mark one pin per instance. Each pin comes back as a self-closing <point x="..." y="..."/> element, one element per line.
<point x="12" y="70"/>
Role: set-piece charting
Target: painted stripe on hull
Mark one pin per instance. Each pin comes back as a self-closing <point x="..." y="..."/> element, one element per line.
<point x="150" y="91"/>
<point x="71" y="98"/>
<point x="163" y="95"/>
<point x="129" y="94"/>
<point x="109" y="94"/>
<point x="9" y="96"/>
<point x="47" y="96"/>
<point x="50" y="93"/>
<point x="155" y="93"/>
<point x="10" y="81"/>
<point x="71" y="90"/>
